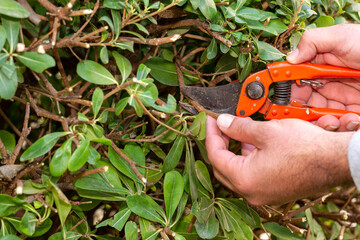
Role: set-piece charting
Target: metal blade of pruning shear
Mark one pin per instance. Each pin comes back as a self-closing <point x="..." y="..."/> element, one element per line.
<point x="220" y="99"/>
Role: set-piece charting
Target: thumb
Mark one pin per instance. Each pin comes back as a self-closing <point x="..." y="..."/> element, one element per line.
<point x="242" y="129"/>
<point x="313" y="42"/>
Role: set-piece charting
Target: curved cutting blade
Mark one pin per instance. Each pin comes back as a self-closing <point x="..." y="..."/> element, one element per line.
<point x="220" y="99"/>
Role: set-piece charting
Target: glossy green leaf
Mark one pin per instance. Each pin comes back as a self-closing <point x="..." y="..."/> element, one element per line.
<point x="95" y="73"/>
<point x="82" y="117"/>
<point x="203" y="175"/>
<point x="142" y="28"/>
<point x="97" y="100"/>
<point x="208" y="8"/>
<point x="42" y="228"/>
<point x="3" y="57"/>
<point x="136" y="153"/>
<point x="324" y="21"/>
<point x="125" y="46"/>
<point x="65" y="236"/>
<point x="170" y="135"/>
<point x="316" y="229"/>
<point x="114" y="4"/>
<point x="13" y="9"/>
<point x="280" y="231"/>
<point x="121" y="105"/>
<point x="36" y="61"/>
<point x="117" y="22"/>
<point x="104" y="55"/>
<point x="123" y="65"/>
<point x="209" y="229"/>
<point x="165" y="72"/>
<point x="174" y="155"/>
<point x="59" y="161"/>
<point x="10" y="237"/>
<point x="190" y="169"/>
<point x="2" y="37"/>
<point x="12" y="27"/>
<point x="120" y="219"/>
<point x="268" y="52"/>
<point x="131" y="231"/>
<point x="94" y="155"/>
<point x="173" y="191"/>
<point x="211" y="51"/>
<point x="195" y="3"/>
<point x="168" y="107"/>
<point x="63" y="206"/>
<point x="142" y="72"/>
<point x="8" y="84"/>
<point x="203" y="209"/>
<point x="146" y="207"/>
<point x="241" y="229"/>
<point x="80" y="156"/>
<point x="9" y="205"/>
<point x="8" y="140"/>
<point x="198" y="127"/>
<point x="103" y="117"/>
<point x="42" y="146"/>
<point x="28" y="223"/>
<point x="120" y="164"/>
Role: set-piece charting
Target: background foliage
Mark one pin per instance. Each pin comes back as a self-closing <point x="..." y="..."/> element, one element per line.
<point x="95" y="139"/>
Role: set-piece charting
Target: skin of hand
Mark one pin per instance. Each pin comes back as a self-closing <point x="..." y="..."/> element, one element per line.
<point x="336" y="45"/>
<point x="282" y="160"/>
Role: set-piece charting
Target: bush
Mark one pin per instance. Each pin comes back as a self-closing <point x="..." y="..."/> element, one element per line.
<point x="97" y="141"/>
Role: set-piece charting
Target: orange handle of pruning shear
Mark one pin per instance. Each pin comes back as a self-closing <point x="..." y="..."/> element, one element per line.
<point x="284" y="71"/>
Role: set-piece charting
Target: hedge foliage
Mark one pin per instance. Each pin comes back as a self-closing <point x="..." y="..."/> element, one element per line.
<point x="96" y="140"/>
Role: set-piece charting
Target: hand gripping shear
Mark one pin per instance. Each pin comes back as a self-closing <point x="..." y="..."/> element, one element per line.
<point x="251" y="96"/>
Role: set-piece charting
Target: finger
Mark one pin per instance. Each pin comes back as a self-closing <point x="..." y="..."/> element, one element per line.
<point x="214" y="133"/>
<point x="313" y="42"/>
<point x="335" y="105"/>
<point x="329" y="123"/>
<point x="224" y="180"/>
<point x="246" y="149"/>
<point x="340" y="92"/>
<point x="242" y="129"/>
<point x="317" y="100"/>
<point x="349" y="122"/>
<point x="301" y="93"/>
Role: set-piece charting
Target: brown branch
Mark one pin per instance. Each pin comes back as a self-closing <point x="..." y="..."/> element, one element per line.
<point x="71" y="178"/>
<point x="25" y="132"/>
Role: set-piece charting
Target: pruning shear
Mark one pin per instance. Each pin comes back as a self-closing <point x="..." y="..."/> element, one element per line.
<point x="251" y="96"/>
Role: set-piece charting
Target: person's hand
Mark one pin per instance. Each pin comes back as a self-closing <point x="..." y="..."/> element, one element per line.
<point x="281" y="160"/>
<point x="336" y="45"/>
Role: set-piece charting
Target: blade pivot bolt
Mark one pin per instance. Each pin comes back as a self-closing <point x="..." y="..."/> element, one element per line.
<point x="255" y="90"/>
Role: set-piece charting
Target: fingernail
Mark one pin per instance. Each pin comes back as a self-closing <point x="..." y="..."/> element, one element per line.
<point x="353" y="125"/>
<point x="331" y="128"/>
<point x="291" y="58"/>
<point x="224" y="121"/>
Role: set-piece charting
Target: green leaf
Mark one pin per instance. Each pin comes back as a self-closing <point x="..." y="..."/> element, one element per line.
<point x="13" y="9"/>
<point x="174" y="155"/>
<point x="42" y="228"/>
<point x="136" y="153"/>
<point x="142" y="72"/>
<point x="80" y="156"/>
<point x="209" y="229"/>
<point x="3" y="56"/>
<point x="28" y="223"/>
<point x="212" y="50"/>
<point x="62" y="203"/>
<point x="104" y="55"/>
<point x="95" y="73"/>
<point x="8" y="84"/>
<point x="146" y="207"/>
<point x="324" y="21"/>
<point x="59" y="161"/>
<point x="8" y="140"/>
<point x="117" y="22"/>
<point x="12" y="27"/>
<point x="125" y="46"/>
<point x="241" y="229"/>
<point x="2" y="36"/>
<point x="170" y="135"/>
<point x="65" y="236"/>
<point x="121" y="105"/>
<point x="280" y="231"/>
<point x="10" y="237"/>
<point x="173" y="191"/>
<point x="190" y="169"/>
<point x="169" y="107"/>
<point x="42" y="146"/>
<point x="120" y="219"/>
<point x="268" y="52"/>
<point x="9" y="205"/>
<point x="114" y="4"/>
<point x="203" y="209"/>
<point x="198" y="127"/>
<point x="142" y="28"/>
<point x="36" y="61"/>
<point x="165" y="72"/>
<point x="203" y="176"/>
<point x="316" y="229"/>
<point x="208" y="8"/>
<point x="123" y="64"/>
<point x="82" y="117"/>
<point x="131" y="231"/>
<point x="245" y="72"/>
<point x="195" y="3"/>
<point x="97" y="100"/>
